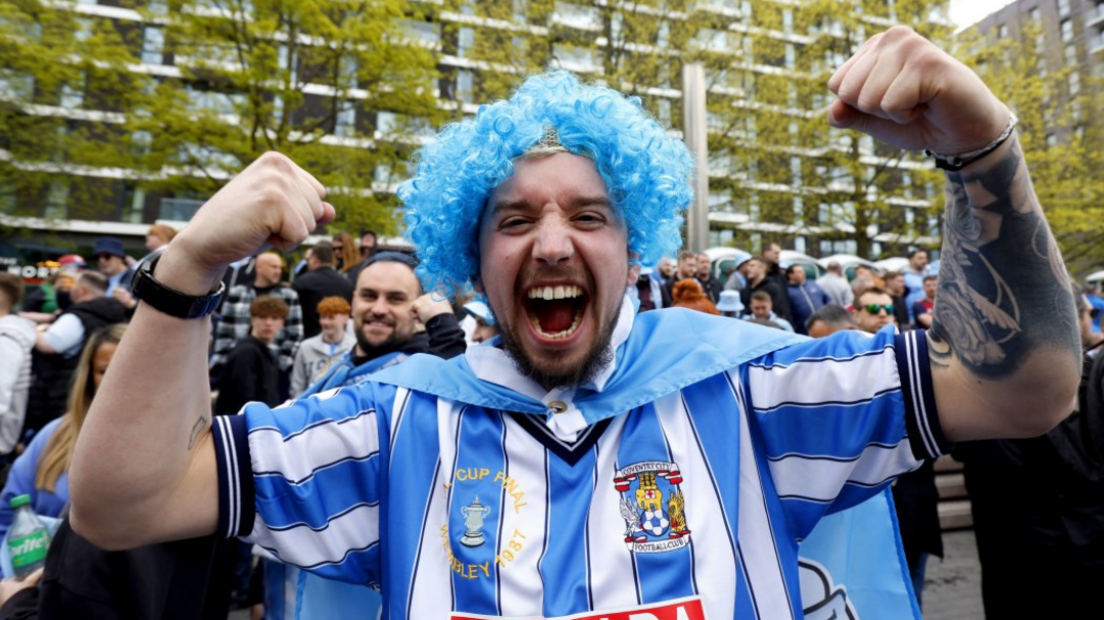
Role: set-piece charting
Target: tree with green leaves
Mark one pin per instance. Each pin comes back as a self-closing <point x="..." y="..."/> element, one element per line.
<point x="65" y="91"/>
<point x="793" y="175"/>
<point x="179" y="95"/>
<point x="1055" y="99"/>
<point x="341" y="87"/>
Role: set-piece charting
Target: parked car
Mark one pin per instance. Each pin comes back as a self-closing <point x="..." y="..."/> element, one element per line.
<point x="813" y="269"/>
<point x="724" y="260"/>
<point x="893" y="263"/>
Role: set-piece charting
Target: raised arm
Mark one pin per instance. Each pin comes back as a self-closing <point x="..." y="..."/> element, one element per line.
<point x="1004" y="345"/>
<point x="144" y="466"/>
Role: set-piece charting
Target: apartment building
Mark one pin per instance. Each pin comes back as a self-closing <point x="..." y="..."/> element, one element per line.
<point x="776" y="172"/>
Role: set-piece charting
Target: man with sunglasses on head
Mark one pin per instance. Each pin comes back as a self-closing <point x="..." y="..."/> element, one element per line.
<point x="873" y="309"/>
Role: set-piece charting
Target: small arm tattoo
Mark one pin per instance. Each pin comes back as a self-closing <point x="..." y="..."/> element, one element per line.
<point x="1003" y="287"/>
<point x="197" y="430"/>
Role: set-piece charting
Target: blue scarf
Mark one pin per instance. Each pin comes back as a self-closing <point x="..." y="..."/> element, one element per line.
<point x="343" y="373"/>
<point x="666" y="351"/>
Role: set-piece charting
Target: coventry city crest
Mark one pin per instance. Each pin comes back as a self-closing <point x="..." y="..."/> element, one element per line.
<point x="652" y="506"/>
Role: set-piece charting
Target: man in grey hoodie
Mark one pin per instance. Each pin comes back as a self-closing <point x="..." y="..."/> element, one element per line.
<point x="17" y="339"/>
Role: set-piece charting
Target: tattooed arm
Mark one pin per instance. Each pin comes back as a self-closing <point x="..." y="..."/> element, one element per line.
<point x="1004" y="336"/>
<point x="1004" y="344"/>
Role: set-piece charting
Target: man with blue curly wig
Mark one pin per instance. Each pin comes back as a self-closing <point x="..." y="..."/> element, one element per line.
<point x="592" y="463"/>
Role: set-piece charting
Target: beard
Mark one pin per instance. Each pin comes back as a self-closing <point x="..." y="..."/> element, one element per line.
<point x="372" y="351"/>
<point x="596" y="359"/>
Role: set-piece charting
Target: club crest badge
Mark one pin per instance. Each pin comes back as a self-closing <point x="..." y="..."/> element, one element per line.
<point x="653" y="506"/>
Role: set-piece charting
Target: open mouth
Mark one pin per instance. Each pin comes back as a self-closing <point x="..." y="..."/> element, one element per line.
<point x="556" y="311"/>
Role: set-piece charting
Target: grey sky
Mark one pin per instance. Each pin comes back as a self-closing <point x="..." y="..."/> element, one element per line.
<point x="966" y="12"/>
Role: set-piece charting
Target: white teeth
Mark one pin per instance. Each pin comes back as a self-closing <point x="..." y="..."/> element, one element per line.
<point x="549" y="293"/>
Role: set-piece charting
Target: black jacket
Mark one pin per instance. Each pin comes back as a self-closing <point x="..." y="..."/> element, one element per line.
<point x="780" y="299"/>
<point x="315" y="285"/>
<point x="183" y="580"/>
<point x="251" y="373"/>
<point x="49" y="394"/>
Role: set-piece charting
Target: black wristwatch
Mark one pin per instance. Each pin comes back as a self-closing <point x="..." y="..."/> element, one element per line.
<point x="174" y="303"/>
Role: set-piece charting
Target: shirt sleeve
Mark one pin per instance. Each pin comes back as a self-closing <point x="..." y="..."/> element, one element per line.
<point x="65" y="335"/>
<point x="303" y="481"/>
<point x="841" y="417"/>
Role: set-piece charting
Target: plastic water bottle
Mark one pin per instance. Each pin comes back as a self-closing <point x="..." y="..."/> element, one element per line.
<point x="28" y="538"/>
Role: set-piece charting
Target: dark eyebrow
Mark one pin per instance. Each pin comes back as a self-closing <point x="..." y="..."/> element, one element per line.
<point x="577" y="202"/>
<point x="589" y="201"/>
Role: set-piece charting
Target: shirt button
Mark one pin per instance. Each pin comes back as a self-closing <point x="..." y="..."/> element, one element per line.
<point x="557" y="406"/>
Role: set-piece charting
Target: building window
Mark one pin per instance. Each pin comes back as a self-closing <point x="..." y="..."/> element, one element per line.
<point x="1002" y="32"/>
<point x="577" y="16"/>
<point x="1051" y="140"/>
<point x="1034" y="14"/>
<point x="421" y="32"/>
<point x="465" y="41"/>
<point x="57" y="200"/>
<point x="1063" y="8"/>
<point x="133" y="203"/>
<point x="575" y="58"/>
<point x="1067" y="30"/>
<point x="72" y="96"/>
<point x="1071" y="55"/>
<point x="663" y="112"/>
<point x="153" y="45"/>
<point x="345" y="121"/>
<point x="465" y="86"/>
<point x="13" y="85"/>
<point x="1074" y="83"/>
<point x="392" y="123"/>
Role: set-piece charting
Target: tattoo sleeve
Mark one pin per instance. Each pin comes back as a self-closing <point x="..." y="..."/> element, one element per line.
<point x="1003" y="288"/>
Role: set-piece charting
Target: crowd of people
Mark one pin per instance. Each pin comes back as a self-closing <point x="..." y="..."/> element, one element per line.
<point x="266" y="347"/>
<point x="512" y="422"/>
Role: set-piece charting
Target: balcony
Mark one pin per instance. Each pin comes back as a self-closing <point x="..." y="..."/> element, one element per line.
<point x="1094" y="16"/>
<point x="1096" y="43"/>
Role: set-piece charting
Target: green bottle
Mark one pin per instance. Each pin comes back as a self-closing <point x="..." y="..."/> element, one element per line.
<point x="28" y="538"/>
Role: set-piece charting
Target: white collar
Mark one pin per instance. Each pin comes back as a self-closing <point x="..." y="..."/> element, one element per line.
<point x="493" y="365"/>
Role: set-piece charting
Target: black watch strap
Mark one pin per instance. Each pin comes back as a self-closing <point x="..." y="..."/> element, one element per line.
<point x="174" y="303"/>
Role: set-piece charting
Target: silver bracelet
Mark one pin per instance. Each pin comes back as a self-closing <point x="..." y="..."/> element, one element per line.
<point x="954" y="163"/>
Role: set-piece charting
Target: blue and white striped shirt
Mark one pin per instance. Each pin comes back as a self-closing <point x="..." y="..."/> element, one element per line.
<point x="694" y="502"/>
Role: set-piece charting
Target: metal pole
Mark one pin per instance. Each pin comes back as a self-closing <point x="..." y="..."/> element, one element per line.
<point x="693" y="131"/>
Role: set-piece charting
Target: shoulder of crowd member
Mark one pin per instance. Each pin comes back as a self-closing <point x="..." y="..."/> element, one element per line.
<point x="446" y="337"/>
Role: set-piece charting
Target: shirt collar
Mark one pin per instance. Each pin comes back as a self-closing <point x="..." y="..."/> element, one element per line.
<point x="491" y="364"/>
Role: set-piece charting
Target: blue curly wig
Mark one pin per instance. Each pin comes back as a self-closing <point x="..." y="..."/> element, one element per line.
<point x="646" y="171"/>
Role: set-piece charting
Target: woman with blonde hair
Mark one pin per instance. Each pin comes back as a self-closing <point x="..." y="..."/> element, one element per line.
<point x="42" y="471"/>
<point x="346" y="253"/>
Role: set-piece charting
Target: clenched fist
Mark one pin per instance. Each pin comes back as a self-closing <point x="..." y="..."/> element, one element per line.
<point x="903" y="90"/>
<point x="273" y="202"/>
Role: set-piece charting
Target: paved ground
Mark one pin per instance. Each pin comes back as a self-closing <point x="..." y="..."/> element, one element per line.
<point x="952" y="589"/>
